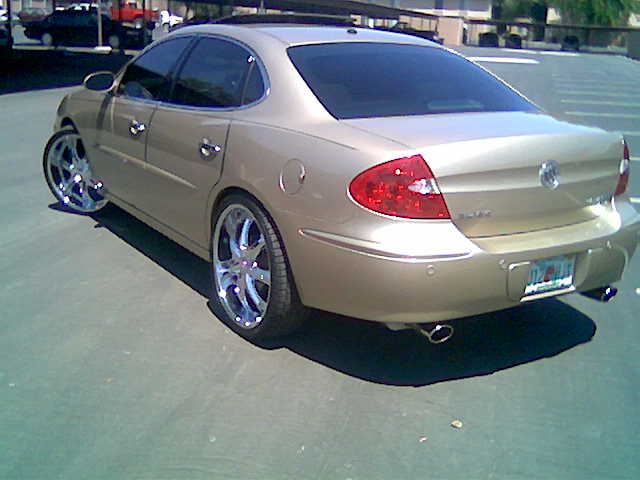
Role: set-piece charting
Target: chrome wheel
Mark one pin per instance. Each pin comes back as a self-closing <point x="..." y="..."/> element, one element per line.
<point x="69" y="175"/>
<point x="241" y="265"/>
<point x="47" y="39"/>
<point x="114" y="42"/>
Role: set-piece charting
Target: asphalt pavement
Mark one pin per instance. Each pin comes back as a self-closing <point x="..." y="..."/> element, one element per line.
<point x="112" y="365"/>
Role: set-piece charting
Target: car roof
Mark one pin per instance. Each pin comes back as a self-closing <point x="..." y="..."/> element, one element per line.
<point x="297" y="34"/>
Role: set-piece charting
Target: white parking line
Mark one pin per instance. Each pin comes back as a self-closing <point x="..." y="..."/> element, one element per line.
<point x="540" y="52"/>
<point x="635" y="159"/>
<point x="560" y="54"/>
<point x="577" y="85"/>
<point x="527" y="61"/>
<point x="602" y="102"/>
<point x="606" y="115"/>
<point x="635" y="199"/>
<point x="520" y="50"/>
<point x="595" y="93"/>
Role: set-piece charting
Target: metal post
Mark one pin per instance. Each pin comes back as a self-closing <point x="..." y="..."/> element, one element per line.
<point x="99" y="3"/>
<point x="144" y="23"/>
<point x="10" y="26"/>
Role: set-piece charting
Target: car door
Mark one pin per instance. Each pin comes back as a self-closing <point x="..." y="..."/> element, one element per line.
<point x="127" y="114"/>
<point x="84" y="29"/>
<point x="186" y="144"/>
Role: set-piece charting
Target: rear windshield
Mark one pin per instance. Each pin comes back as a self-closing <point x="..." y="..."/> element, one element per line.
<point x="362" y="80"/>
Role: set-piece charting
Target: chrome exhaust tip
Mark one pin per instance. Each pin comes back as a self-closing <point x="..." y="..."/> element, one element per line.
<point x="602" y="294"/>
<point x="438" y="334"/>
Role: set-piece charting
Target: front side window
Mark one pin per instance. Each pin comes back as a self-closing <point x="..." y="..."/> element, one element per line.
<point x="148" y="77"/>
<point x="214" y="75"/>
<point x="362" y="80"/>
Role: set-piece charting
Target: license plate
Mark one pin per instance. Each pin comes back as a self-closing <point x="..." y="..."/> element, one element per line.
<point x="550" y="274"/>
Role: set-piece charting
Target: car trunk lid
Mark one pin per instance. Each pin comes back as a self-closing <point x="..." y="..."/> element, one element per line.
<point x="497" y="170"/>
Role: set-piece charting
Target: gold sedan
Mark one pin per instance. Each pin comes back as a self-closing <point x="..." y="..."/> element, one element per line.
<point x="362" y="172"/>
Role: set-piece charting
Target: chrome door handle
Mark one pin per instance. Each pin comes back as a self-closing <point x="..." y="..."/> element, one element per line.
<point x="207" y="149"/>
<point x="136" y="128"/>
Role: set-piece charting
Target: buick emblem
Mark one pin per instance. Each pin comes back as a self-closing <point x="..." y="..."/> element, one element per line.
<point x="550" y="174"/>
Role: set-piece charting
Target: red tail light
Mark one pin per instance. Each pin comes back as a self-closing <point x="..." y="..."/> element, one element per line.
<point x="405" y="187"/>
<point x="625" y="167"/>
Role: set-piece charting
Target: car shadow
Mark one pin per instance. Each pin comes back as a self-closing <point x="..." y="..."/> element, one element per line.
<point x="482" y="344"/>
<point x="44" y="69"/>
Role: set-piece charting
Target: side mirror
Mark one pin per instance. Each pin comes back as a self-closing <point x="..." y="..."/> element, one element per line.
<point x="99" y="81"/>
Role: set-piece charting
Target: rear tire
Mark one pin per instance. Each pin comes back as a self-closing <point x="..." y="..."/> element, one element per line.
<point x="253" y="286"/>
<point x="47" y="39"/>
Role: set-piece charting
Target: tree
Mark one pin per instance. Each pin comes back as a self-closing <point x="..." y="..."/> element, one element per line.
<point x="597" y="12"/>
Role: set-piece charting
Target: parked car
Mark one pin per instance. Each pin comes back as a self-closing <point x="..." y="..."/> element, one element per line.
<point x="4" y="43"/>
<point x="80" y="28"/>
<point x="4" y="16"/>
<point x="130" y="13"/>
<point x="402" y="27"/>
<point x="89" y="7"/>
<point x="488" y="39"/>
<point x="571" y="43"/>
<point x="366" y="173"/>
<point x="254" y="18"/>
<point x="27" y="15"/>
<point x="513" y="40"/>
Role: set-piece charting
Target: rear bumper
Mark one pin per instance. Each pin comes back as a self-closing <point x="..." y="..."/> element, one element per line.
<point x="377" y="281"/>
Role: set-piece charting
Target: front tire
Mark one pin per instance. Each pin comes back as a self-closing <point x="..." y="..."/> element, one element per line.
<point x="253" y="285"/>
<point x="68" y="173"/>
<point x="114" y="42"/>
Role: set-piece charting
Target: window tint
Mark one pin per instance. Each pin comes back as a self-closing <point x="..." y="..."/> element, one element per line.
<point x="148" y="76"/>
<point x="360" y="80"/>
<point x="213" y="76"/>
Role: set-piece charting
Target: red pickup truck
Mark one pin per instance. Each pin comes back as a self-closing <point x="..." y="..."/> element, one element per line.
<point x="130" y="13"/>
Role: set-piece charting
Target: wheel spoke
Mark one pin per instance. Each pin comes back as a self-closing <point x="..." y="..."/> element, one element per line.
<point x="255" y="297"/>
<point x="226" y="280"/>
<point x="254" y="250"/>
<point x="223" y="267"/>
<point x="67" y="167"/>
<point x="241" y="294"/>
<point x="66" y="185"/>
<point x="87" y="201"/>
<point x="244" y="233"/>
<point x="231" y="227"/>
<point x="77" y="196"/>
<point x="261" y="275"/>
<point x="72" y="144"/>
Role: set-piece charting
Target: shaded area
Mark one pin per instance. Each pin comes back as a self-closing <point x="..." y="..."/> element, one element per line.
<point x="36" y="70"/>
<point x="481" y="345"/>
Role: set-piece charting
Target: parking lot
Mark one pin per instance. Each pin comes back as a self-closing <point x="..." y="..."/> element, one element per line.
<point x="113" y="366"/>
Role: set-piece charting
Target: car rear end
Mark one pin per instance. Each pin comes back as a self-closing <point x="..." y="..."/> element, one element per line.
<point x="486" y="203"/>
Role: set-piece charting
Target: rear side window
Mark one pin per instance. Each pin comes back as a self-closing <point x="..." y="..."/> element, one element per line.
<point x="362" y="80"/>
<point x="213" y="75"/>
<point x="255" y="85"/>
<point x="148" y="76"/>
